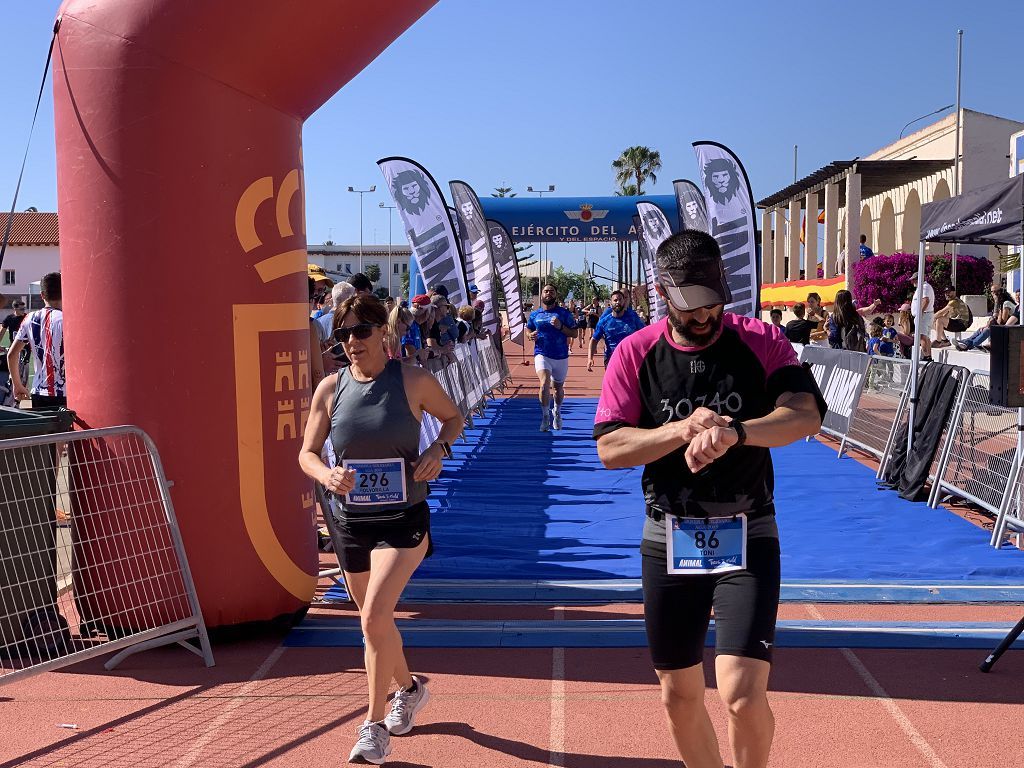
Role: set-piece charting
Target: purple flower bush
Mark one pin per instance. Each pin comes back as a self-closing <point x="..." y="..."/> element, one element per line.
<point x="891" y="278"/>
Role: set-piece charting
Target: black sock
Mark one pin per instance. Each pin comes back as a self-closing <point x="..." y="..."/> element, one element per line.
<point x="413" y="688"/>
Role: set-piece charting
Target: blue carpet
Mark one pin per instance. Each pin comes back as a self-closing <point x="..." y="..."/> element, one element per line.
<point x="520" y="505"/>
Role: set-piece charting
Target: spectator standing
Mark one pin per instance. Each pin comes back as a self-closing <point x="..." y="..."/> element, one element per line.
<point x="401" y="346"/>
<point x="905" y="329"/>
<point x="10" y="326"/>
<point x="878" y="343"/>
<point x="361" y="283"/>
<point x="43" y="332"/>
<point x="799" y="330"/>
<point x="923" y="307"/>
<point x="955" y="317"/>
<point x="846" y="326"/>
<point x="865" y="250"/>
<point x="12" y="322"/>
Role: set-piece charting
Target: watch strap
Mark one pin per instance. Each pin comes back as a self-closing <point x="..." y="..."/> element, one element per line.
<point x="741" y="432"/>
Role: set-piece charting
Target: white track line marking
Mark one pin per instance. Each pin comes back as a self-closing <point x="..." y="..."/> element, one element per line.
<point x="228" y="709"/>
<point x="556" y="754"/>
<point x="919" y="741"/>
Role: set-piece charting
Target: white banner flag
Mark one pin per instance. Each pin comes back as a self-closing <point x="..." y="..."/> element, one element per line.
<point x="430" y="230"/>
<point x="731" y="222"/>
<point x="654" y="230"/>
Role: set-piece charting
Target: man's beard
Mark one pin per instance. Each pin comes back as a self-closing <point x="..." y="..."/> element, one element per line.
<point x="693" y="338"/>
<point x="547" y="302"/>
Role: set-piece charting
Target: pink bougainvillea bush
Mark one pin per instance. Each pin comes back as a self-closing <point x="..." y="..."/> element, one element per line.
<point x="891" y="278"/>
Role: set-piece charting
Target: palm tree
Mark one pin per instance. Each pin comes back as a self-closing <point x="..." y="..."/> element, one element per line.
<point x="637" y="164"/>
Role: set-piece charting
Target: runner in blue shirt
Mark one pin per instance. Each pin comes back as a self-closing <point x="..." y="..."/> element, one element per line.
<point x="550" y="329"/>
<point x="613" y="327"/>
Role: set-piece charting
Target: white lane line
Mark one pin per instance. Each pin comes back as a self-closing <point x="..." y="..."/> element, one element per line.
<point x="919" y="741"/>
<point x="556" y="754"/>
<point x="228" y="709"/>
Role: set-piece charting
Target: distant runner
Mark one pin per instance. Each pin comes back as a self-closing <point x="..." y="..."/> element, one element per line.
<point x="550" y="328"/>
<point x="613" y="327"/>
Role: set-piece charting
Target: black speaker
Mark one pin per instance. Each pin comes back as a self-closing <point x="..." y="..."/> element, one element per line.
<point x="1007" y="385"/>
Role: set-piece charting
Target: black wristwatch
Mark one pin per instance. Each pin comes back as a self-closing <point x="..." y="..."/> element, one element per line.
<point x="446" y="448"/>
<point x="741" y="432"/>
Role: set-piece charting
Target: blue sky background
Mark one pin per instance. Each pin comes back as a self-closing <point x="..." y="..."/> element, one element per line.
<point x="530" y="92"/>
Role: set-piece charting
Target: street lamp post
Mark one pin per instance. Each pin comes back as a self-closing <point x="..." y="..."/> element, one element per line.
<point x="390" y="209"/>
<point x="541" y="266"/>
<point x="361" y="192"/>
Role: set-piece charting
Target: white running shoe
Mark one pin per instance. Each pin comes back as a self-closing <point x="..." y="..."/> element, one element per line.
<point x="556" y="419"/>
<point x="373" y="745"/>
<point x="545" y="422"/>
<point x="404" y="707"/>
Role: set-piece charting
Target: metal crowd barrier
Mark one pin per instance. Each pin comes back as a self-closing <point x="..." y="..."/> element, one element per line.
<point x="978" y="454"/>
<point x="976" y="458"/>
<point x="476" y="372"/>
<point x="880" y="406"/>
<point x="91" y="558"/>
<point x="1010" y="517"/>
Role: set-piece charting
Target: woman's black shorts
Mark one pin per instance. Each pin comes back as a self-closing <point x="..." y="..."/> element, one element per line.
<point x="354" y="541"/>
<point x="677" y="609"/>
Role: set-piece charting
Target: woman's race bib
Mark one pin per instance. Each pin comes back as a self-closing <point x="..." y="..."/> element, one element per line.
<point x="378" y="481"/>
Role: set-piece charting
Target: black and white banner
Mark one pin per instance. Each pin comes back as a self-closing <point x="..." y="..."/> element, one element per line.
<point x="430" y="229"/>
<point x="693" y="211"/>
<point x="476" y="247"/>
<point x="840" y="376"/>
<point x="731" y="212"/>
<point x="507" y="266"/>
<point x="655" y="303"/>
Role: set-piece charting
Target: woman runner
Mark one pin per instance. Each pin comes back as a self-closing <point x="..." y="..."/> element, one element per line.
<point x="371" y="413"/>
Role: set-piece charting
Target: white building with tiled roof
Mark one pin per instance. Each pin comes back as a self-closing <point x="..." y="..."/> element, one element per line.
<point x="344" y="260"/>
<point x="33" y="251"/>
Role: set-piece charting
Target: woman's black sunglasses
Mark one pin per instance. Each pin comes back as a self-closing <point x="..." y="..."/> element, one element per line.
<point x="362" y="331"/>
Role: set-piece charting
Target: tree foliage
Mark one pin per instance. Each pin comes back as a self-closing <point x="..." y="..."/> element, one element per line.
<point x="637" y="165"/>
<point x="580" y="284"/>
<point x="372" y="271"/>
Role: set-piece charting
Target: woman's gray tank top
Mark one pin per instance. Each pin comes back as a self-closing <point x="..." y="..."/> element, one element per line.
<point x="372" y="420"/>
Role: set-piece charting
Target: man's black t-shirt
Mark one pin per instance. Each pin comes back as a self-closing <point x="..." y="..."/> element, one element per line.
<point x="799" y="331"/>
<point x="651" y="380"/>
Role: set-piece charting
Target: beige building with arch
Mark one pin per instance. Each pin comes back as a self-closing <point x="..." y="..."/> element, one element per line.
<point x="880" y="196"/>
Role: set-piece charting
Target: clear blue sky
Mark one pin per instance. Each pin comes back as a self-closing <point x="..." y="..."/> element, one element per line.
<point x="532" y="92"/>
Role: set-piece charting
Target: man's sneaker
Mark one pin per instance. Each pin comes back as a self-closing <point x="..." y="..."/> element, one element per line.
<point x="404" y="707"/>
<point x="373" y="745"/>
<point x="556" y="419"/>
<point x="545" y="422"/>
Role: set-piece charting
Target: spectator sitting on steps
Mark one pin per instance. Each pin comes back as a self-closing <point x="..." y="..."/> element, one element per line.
<point x="955" y="317"/>
<point x="1004" y="312"/>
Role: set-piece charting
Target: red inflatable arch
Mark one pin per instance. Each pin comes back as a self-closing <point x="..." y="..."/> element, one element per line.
<point x="180" y="188"/>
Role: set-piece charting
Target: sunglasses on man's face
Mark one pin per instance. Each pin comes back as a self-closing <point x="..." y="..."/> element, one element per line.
<point x="362" y="331"/>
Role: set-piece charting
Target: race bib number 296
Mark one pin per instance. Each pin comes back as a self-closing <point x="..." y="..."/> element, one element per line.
<point x="377" y="481"/>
